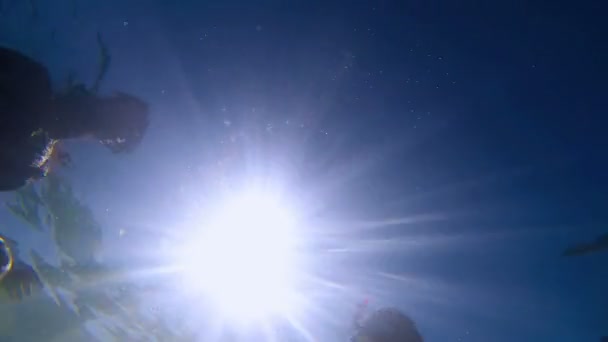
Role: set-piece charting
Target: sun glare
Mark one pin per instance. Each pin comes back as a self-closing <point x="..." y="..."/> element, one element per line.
<point x="243" y="259"/>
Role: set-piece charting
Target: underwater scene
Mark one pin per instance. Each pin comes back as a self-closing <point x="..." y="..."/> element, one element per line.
<point x="367" y="171"/>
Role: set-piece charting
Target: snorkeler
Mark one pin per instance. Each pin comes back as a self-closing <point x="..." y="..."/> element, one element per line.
<point x="17" y="278"/>
<point x="33" y="119"/>
<point x="387" y="325"/>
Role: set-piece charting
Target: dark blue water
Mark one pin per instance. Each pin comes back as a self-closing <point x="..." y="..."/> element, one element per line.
<point x="450" y="152"/>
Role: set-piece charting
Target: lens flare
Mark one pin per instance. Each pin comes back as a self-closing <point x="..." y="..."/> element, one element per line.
<point x="243" y="259"/>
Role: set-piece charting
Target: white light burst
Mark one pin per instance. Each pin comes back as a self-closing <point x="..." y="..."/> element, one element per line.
<point x="244" y="258"/>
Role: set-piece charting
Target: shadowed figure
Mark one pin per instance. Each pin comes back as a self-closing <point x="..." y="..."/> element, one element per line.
<point x="33" y="119"/>
<point x="387" y="325"/>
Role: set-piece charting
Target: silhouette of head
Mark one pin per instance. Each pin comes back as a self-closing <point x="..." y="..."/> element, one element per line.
<point x="388" y="325"/>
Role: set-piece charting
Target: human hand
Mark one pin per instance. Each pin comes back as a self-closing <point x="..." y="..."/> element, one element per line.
<point x="20" y="281"/>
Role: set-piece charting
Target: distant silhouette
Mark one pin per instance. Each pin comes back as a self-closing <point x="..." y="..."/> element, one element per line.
<point x="387" y="325"/>
<point x="599" y="244"/>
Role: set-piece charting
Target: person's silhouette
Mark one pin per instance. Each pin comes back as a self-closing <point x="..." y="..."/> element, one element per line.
<point x="33" y="118"/>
